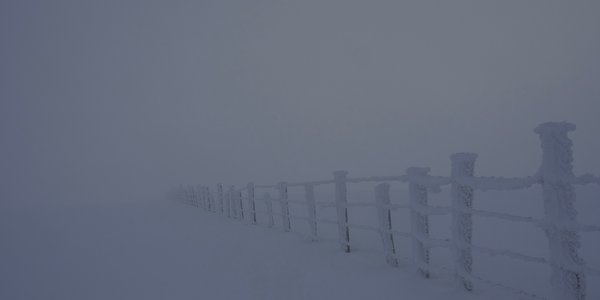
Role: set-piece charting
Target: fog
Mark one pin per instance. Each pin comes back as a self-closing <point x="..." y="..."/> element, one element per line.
<point x="105" y="100"/>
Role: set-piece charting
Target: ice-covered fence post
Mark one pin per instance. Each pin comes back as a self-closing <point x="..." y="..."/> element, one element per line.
<point x="235" y="204"/>
<point x="189" y="195"/>
<point x="193" y="196"/>
<point x="311" y="206"/>
<point x="209" y="199"/>
<point x="419" y="222"/>
<point x="203" y="198"/>
<point x="220" y="197"/>
<point x="195" y="199"/>
<point x="213" y="199"/>
<point x="384" y="217"/>
<point x="341" y="200"/>
<point x="228" y="204"/>
<point x="251" y="203"/>
<point x="269" y="205"/>
<point x="463" y="165"/>
<point x="231" y="206"/>
<point x="240" y="205"/>
<point x="285" y="208"/>
<point x="567" y="279"/>
<point x="200" y="195"/>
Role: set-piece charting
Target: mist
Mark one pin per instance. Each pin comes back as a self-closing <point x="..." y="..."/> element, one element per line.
<point x="119" y="100"/>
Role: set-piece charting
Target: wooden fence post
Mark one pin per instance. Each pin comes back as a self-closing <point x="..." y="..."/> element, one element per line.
<point x="240" y="205"/>
<point x="341" y="208"/>
<point x="231" y="202"/>
<point x="194" y="196"/>
<point x="213" y="199"/>
<point x="419" y="222"/>
<point x="251" y="202"/>
<point x="463" y="165"/>
<point x="202" y="197"/>
<point x="220" y="197"/>
<point x="311" y="205"/>
<point x="568" y="278"/>
<point x="189" y="191"/>
<point x="188" y="196"/>
<point x="199" y="195"/>
<point x="228" y="204"/>
<point x="269" y="205"/>
<point x="210" y="199"/>
<point x="184" y="195"/>
<point x="285" y="208"/>
<point x="234" y="203"/>
<point x="384" y="216"/>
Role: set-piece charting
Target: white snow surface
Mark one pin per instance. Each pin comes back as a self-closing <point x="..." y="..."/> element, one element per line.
<point x="163" y="250"/>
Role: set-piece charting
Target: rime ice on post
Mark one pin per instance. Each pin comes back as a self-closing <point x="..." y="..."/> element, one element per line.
<point x="269" y="204"/>
<point x="285" y="208"/>
<point x="384" y="216"/>
<point x="193" y="196"/>
<point x="341" y="209"/>
<point x="220" y="197"/>
<point x="234" y="205"/>
<point x="212" y="199"/>
<point x="200" y="196"/>
<point x="309" y="193"/>
<point x="209" y="199"/>
<point x="251" y="203"/>
<point x="419" y="222"/>
<point x="568" y="279"/>
<point x="463" y="165"/>
<point x="189" y="196"/>
<point x="204" y="197"/>
<point x="241" y="205"/>
<point x="231" y="202"/>
<point x="228" y="204"/>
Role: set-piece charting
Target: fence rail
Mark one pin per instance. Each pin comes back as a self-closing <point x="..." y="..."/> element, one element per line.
<point x="559" y="222"/>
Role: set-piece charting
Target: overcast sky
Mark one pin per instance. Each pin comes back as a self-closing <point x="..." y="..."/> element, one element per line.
<point x="106" y="98"/>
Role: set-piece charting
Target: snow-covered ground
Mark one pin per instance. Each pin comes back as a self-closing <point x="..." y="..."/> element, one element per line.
<point x="166" y="250"/>
<point x="169" y="251"/>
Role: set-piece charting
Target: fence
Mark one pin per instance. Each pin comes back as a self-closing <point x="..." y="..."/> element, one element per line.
<point x="555" y="176"/>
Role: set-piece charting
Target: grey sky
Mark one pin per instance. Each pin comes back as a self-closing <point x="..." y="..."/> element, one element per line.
<point x="104" y="97"/>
